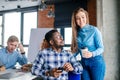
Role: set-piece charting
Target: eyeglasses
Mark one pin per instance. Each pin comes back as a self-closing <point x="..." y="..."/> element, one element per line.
<point x="59" y="37"/>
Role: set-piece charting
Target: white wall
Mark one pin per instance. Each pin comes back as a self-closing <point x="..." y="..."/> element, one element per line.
<point x="108" y="23"/>
<point x="36" y="39"/>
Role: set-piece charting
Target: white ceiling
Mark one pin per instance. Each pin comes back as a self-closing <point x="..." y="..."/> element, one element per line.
<point x="12" y="4"/>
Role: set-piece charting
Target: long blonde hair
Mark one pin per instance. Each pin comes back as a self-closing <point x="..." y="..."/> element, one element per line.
<point x="75" y="27"/>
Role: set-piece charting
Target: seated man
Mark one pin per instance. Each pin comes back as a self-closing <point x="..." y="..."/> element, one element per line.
<point x="52" y="62"/>
<point x="9" y="56"/>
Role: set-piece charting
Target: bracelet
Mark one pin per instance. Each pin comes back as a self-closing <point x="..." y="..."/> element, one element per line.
<point x="23" y="53"/>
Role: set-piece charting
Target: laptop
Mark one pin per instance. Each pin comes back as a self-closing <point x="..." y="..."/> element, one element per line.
<point x="10" y="75"/>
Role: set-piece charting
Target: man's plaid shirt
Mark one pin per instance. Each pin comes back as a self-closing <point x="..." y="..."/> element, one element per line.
<point x="48" y="59"/>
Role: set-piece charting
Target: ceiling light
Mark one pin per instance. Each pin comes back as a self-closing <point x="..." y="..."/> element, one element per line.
<point x="18" y="8"/>
<point x="42" y="6"/>
<point x="51" y="13"/>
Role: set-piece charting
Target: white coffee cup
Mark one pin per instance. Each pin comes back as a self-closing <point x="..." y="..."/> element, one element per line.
<point x="84" y="50"/>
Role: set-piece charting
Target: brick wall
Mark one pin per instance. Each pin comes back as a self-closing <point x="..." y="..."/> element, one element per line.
<point x="43" y="20"/>
<point x="92" y="12"/>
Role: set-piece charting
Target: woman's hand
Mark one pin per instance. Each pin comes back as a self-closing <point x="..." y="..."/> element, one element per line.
<point x="87" y="54"/>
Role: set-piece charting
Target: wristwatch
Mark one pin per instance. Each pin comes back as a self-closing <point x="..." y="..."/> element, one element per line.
<point x="23" y="53"/>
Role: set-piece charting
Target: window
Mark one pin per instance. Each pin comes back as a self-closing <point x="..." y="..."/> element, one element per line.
<point x="18" y="24"/>
<point x="67" y="36"/>
<point x="12" y="25"/>
<point x="0" y="31"/>
<point x="30" y="21"/>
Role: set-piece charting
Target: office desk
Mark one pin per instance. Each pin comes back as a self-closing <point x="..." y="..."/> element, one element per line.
<point x="18" y="75"/>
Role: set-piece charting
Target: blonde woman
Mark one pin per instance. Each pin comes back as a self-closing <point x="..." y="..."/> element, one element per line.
<point x="87" y="41"/>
